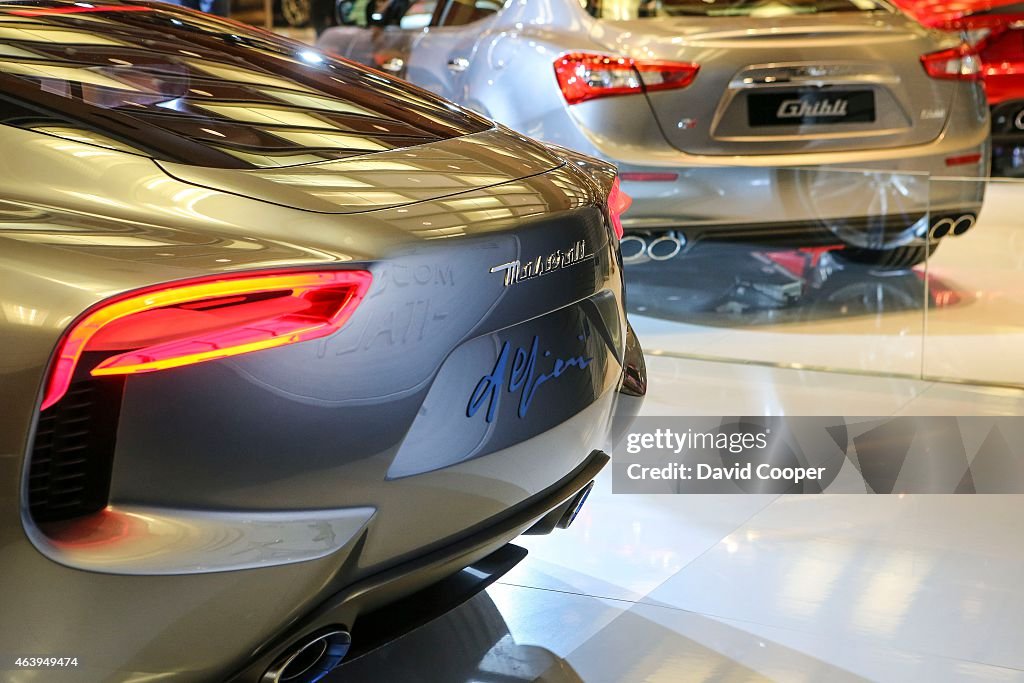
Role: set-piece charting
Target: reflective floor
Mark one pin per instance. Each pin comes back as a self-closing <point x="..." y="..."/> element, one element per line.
<point x="668" y="588"/>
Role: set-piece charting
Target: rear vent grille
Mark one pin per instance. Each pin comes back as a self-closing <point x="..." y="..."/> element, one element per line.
<point x="69" y="474"/>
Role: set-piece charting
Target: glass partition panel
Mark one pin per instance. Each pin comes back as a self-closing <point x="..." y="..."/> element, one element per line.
<point x="803" y="267"/>
<point x="975" y="321"/>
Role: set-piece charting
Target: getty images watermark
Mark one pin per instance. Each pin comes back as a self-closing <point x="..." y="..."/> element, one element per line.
<point x="819" y="455"/>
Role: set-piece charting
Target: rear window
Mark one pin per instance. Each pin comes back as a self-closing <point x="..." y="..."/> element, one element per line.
<point x="154" y="80"/>
<point x="640" y="9"/>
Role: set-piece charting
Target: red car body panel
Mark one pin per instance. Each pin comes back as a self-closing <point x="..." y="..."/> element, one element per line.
<point x="1001" y="50"/>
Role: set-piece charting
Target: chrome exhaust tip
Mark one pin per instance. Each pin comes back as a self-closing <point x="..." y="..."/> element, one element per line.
<point x="562" y="516"/>
<point x="633" y="249"/>
<point x="666" y="247"/>
<point x="963" y="224"/>
<point x="941" y="228"/>
<point x="643" y="247"/>
<point x="574" y="507"/>
<point x="311" y="658"/>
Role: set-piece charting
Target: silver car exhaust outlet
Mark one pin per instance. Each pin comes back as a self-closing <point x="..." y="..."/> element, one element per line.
<point x="665" y="247"/>
<point x="634" y="249"/>
<point x="311" y="658"/>
<point x="952" y="226"/>
<point x="963" y="224"/>
<point x="941" y="227"/>
<point x="639" y="248"/>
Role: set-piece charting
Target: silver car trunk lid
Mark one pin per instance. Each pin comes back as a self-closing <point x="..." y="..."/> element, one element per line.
<point x="791" y="84"/>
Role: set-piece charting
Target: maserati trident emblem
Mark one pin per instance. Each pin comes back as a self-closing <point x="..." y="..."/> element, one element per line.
<point x="518" y="271"/>
<point x="799" y="109"/>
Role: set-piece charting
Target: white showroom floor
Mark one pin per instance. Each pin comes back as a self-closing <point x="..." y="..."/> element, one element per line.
<point x="672" y="588"/>
<point x="678" y="588"/>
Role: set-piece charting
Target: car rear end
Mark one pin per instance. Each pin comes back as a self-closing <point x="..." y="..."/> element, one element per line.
<point x="245" y="406"/>
<point x="742" y="98"/>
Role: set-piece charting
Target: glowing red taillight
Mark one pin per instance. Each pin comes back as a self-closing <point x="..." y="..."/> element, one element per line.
<point x="957" y="63"/>
<point x="585" y="76"/>
<point x="191" y="322"/>
<point x="618" y="202"/>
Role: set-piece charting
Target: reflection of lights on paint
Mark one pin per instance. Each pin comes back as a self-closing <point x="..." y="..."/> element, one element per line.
<point x="376" y="16"/>
<point x="22" y="315"/>
<point x="310" y="57"/>
<point x="213" y="132"/>
<point x="731" y="547"/>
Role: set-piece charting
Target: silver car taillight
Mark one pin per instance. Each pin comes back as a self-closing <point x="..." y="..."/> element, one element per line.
<point x="957" y="63"/>
<point x="585" y="76"/>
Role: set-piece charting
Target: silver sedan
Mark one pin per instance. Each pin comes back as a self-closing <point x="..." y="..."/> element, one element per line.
<point x="807" y="122"/>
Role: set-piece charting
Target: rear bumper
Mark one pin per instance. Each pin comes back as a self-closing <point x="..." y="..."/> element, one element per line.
<point x="220" y="618"/>
<point x="345" y="607"/>
<point x="745" y="194"/>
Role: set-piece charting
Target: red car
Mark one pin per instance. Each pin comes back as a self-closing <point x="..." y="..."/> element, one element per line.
<point x="995" y="29"/>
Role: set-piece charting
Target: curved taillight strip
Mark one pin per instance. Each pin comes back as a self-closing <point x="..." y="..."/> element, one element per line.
<point x="182" y="323"/>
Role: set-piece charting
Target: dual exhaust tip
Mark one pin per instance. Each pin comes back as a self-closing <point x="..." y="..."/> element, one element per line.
<point x="310" y="659"/>
<point x="640" y="247"/>
<point x="949" y="225"/>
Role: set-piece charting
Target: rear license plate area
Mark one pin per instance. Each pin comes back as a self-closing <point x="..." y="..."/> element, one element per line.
<point x="810" y="107"/>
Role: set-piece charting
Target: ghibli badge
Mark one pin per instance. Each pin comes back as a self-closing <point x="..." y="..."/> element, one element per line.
<point x="798" y="109"/>
<point x="517" y="271"/>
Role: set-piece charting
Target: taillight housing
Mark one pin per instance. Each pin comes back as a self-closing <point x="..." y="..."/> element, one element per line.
<point x="194" y="321"/>
<point x="960" y="63"/>
<point x="618" y="202"/>
<point x="585" y="76"/>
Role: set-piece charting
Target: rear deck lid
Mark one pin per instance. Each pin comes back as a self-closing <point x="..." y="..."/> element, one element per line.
<point x="385" y="179"/>
<point x="785" y="77"/>
<point x="239" y="110"/>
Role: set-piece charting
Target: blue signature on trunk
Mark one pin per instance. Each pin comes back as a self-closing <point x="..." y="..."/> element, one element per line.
<point x="521" y="376"/>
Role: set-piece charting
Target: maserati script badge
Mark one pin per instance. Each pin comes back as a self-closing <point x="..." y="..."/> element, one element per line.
<point x="517" y="271"/>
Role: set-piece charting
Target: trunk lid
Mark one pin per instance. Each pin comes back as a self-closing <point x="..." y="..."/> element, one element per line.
<point x="385" y="179"/>
<point x="791" y="84"/>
